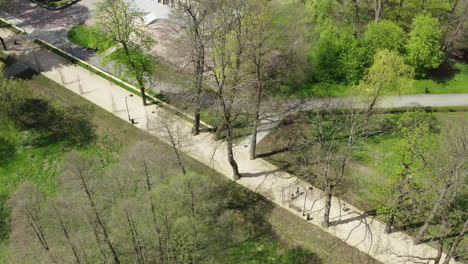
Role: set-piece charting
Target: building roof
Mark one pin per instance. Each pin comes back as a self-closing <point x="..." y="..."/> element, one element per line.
<point x="153" y="10"/>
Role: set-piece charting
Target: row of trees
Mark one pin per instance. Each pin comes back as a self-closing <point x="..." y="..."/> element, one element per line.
<point x="230" y="48"/>
<point x="136" y="212"/>
<point x="345" y="36"/>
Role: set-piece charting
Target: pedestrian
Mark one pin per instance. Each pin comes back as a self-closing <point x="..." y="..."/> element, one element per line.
<point x="297" y="191"/>
<point x="344" y="208"/>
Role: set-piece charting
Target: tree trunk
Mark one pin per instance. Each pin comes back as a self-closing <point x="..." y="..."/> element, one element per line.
<point x="99" y="220"/>
<point x="357" y="24"/>
<point x="328" y="200"/>
<point x="158" y="232"/>
<point x="196" y="122"/>
<point x="455" y="243"/>
<point x="219" y="129"/>
<point x="3" y="43"/>
<point x="389" y="224"/>
<point x="37" y="228"/>
<point x="142" y="91"/>
<point x="96" y="236"/>
<point x="176" y="150"/>
<point x="199" y="70"/>
<point x="378" y="10"/>
<point x="67" y="236"/>
<point x="439" y="250"/>
<point x="153" y="213"/>
<point x="230" y="153"/>
<point x="135" y="239"/>
<point x="253" y="141"/>
<point x="139" y="79"/>
<point x="253" y="144"/>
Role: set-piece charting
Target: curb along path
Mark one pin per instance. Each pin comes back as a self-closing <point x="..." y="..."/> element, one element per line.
<point x="364" y="233"/>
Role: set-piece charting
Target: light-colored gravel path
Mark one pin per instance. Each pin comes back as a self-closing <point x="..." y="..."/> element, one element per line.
<point x="364" y="233"/>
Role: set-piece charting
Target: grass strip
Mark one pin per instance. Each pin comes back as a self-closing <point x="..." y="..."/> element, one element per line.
<point x="153" y="97"/>
<point x="6" y="24"/>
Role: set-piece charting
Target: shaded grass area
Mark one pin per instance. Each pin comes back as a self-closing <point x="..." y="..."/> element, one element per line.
<point x="453" y="80"/>
<point x="41" y="165"/>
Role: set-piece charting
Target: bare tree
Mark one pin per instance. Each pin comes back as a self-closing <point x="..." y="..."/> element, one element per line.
<point x="80" y="170"/>
<point x="449" y="163"/>
<point x="335" y="134"/>
<point x="169" y="129"/>
<point x="26" y="203"/>
<point x="196" y="17"/>
<point x="228" y="45"/>
<point x="455" y="24"/>
<point x="259" y="35"/>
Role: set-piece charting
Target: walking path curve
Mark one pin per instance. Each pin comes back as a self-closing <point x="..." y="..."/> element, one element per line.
<point x="366" y="233"/>
<point x="290" y="106"/>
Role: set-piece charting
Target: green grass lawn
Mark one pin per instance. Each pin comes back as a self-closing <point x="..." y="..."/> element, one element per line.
<point x="366" y="168"/>
<point x="458" y="83"/>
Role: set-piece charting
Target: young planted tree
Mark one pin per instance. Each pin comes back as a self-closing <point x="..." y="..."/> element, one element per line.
<point x="121" y="21"/>
<point x="332" y="138"/>
<point x="196" y="16"/>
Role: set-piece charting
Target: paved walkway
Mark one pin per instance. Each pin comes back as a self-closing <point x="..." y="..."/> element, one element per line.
<point x="290" y="106"/>
<point x="363" y="232"/>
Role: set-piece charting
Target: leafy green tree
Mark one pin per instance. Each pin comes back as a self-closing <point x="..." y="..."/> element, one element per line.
<point x="122" y="21"/>
<point x="355" y="61"/>
<point x="423" y="47"/>
<point x="327" y="56"/>
<point x="388" y="75"/>
<point x="384" y="34"/>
